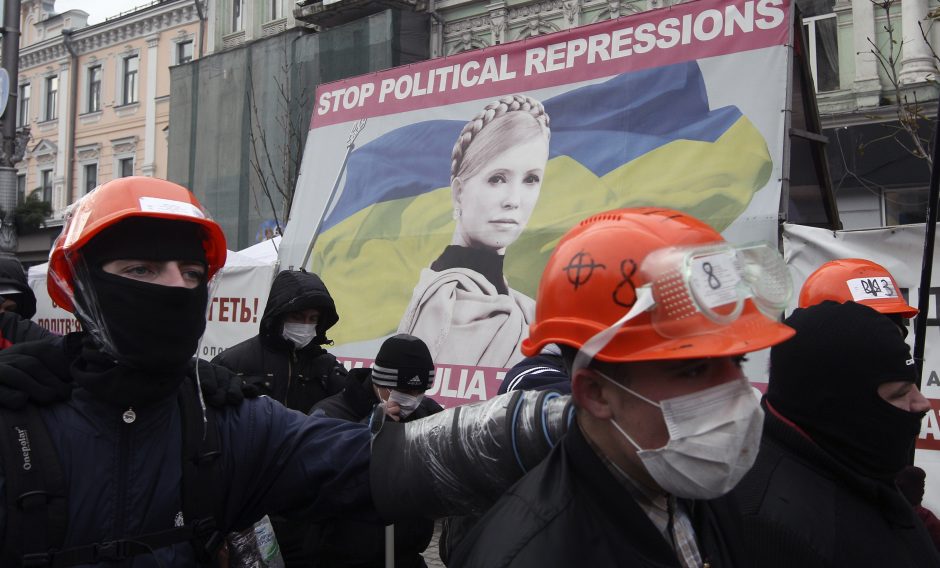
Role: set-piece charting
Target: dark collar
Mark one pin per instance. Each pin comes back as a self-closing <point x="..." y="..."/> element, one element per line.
<point x="486" y="262"/>
<point x="594" y="480"/>
<point x="358" y="392"/>
<point x="883" y="495"/>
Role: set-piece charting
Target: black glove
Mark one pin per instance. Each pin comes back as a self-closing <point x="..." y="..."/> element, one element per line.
<point x="35" y="371"/>
<point x="221" y="387"/>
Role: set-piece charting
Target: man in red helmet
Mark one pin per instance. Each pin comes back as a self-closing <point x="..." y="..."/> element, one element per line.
<point x="132" y="467"/>
<point x="653" y="311"/>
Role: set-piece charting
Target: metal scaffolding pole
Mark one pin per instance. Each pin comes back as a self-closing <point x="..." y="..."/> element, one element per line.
<point x="926" y="268"/>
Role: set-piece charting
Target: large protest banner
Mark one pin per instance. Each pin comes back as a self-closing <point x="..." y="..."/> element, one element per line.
<point x="681" y="107"/>
<point x="900" y="250"/>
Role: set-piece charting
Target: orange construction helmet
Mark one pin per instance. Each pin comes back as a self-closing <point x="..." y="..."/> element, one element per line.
<point x="855" y="280"/>
<point x="698" y="296"/>
<point x="113" y="202"/>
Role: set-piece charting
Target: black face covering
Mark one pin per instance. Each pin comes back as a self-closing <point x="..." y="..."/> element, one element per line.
<point x="826" y="380"/>
<point x="118" y="384"/>
<point x="143" y="335"/>
<point x="871" y="436"/>
<point x="150" y="327"/>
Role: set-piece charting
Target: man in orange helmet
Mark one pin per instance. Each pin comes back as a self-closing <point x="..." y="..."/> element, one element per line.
<point x="842" y="413"/>
<point x="653" y="311"/>
<point x="858" y="280"/>
<point x="132" y="467"/>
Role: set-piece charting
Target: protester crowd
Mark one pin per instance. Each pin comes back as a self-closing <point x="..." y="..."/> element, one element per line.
<point x="121" y="449"/>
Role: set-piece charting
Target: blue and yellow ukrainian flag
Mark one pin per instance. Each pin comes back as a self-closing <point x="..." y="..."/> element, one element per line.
<point x="641" y="138"/>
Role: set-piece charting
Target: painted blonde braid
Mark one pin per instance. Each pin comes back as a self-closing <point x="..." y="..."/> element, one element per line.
<point x="494" y="110"/>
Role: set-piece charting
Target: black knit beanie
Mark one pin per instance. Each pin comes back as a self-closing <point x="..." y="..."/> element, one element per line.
<point x="403" y="363"/>
<point x="146" y="238"/>
<point x="826" y="378"/>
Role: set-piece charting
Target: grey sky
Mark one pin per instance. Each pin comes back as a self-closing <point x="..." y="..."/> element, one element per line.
<point x="98" y="10"/>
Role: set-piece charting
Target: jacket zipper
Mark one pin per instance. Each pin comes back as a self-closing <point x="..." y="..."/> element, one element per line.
<point x="290" y="375"/>
<point x="124" y="447"/>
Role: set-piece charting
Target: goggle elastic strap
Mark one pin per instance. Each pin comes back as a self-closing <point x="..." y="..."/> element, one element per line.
<point x="625" y="435"/>
<point x="591" y="347"/>
<point x="628" y="390"/>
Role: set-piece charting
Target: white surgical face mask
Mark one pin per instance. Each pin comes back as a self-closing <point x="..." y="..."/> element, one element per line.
<point x="405" y="401"/>
<point x="714" y="436"/>
<point x="299" y="333"/>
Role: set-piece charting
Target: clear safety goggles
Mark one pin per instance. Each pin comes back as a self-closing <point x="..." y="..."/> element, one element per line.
<point x="697" y="290"/>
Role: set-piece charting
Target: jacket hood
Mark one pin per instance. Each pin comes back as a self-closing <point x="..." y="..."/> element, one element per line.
<point x="13" y="276"/>
<point x="295" y="290"/>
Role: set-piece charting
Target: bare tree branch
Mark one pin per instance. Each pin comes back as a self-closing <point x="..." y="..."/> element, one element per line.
<point x="256" y="135"/>
<point x="275" y="166"/>
<point x="910" y="115"/>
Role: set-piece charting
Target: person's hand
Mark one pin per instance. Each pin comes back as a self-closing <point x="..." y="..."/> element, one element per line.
<point x="221" y="387"/>
<point x="33" y="372"/>
<point x="393" y="411"/>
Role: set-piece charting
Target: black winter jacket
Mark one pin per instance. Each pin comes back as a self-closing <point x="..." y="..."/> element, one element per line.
<point x="349" y="544"/>
<point x="571" y="511"/>
<point x="14" y="329"/>
<point x="357" y="400"/>
<point x="298" y="378"/>
<point x="798" y="506"/>
<point x="539" y="372"/>
<point x="123" y="478"/>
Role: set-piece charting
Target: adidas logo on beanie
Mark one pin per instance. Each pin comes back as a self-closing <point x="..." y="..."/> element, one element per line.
<point x="403" y="363"/>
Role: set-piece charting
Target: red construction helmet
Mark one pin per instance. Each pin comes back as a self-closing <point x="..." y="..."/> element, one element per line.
<point x="111" y="203"/>
<point x="855" y="280"/>
<point x="593" y="277"/>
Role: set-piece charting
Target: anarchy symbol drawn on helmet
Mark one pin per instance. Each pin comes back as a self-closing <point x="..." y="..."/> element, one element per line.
<point x="650" y="283"/>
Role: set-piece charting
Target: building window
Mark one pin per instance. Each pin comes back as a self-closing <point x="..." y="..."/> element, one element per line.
<point x="20" y="188"/>
<point x="125" y="167"/>
<point x="905" y="206"/>
<point x="236" y="15"/>
<point x="22" y="116"/>
<point x="45" y="183"/>
<point x="52" y="98"/>
<point x="823" y="48"/>
<point x="129" y="90"/>
<point x="94" y="88"/>
<point x="90" y="175"/>
<point x="275" y="9"/>
<point x="184" y="52"/>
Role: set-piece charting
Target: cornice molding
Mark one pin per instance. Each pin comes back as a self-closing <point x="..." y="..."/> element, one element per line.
<point x="531" y="19"/>
<point x="516" y="15"/>
<point x="88" y="151"/>
<point x="93" y="38"/>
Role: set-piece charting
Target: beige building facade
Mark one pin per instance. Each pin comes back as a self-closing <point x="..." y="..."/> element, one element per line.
<point x="96" y="98"/>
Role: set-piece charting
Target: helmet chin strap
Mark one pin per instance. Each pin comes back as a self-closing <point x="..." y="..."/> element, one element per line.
<point x="591" y="347"/>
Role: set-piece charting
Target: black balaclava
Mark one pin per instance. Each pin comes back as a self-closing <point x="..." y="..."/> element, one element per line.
<point x="911" y="481"/>
<point x="826" y="378"/>
<point x="143" y="335"/>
